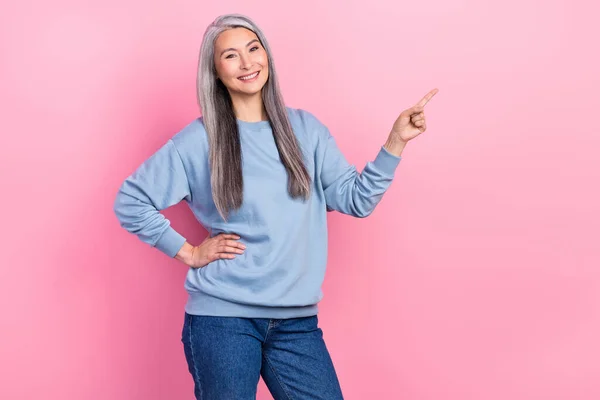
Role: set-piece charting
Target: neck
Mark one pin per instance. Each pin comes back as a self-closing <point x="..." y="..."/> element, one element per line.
<point x="249" y="108"/>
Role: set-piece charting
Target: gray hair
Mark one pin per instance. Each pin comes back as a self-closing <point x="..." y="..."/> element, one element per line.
<point x="220" y="122"/>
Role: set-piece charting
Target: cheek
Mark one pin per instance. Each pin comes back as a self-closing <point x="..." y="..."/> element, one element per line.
<point x="265" y="68"/>
<point x="264" y="61"/>
<point x="225" y="70"/>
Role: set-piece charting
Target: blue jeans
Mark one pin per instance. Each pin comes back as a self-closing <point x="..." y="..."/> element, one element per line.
<point x="227" y="355"/>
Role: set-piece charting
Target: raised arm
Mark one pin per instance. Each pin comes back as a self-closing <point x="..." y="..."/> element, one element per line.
<point x="348" y="191"/>
<point x="357" y="194"/>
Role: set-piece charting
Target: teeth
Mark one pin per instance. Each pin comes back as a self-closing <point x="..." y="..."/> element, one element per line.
<point x="250" y="76"/>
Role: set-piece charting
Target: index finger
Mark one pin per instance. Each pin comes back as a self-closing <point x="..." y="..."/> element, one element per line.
<point x="427" y="97"/>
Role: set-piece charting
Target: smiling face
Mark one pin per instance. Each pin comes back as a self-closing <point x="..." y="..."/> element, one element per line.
<point x="241" y="62"/>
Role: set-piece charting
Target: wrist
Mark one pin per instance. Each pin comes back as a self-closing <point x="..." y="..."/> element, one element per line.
<point x="185" y="254"/>
<point x="394" y="144"/>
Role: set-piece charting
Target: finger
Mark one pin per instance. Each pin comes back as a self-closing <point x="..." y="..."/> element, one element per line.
<point x="224" y="255"/>
<point x="230" y="249"/>
<point x="417" y="117"/>
<point x="416" y="110"/>
<point x="217" y="255"/>
<point x="419" y="123"/>
<point x="409" y="112"/>
<point x="233" y="243"/>
<point x="214" y="256"/>
<point x="427" y="97"/>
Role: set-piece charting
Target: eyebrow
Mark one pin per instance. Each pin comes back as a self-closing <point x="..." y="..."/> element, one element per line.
<point x="231" y="48"/>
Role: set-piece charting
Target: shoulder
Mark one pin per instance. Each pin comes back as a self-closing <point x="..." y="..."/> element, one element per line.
<point x="191" y="138"/>
<point x="309" y="123"/>
<point x="307" y="118"/>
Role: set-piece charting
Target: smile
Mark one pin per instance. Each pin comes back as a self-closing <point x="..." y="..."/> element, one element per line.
<point x="249" y="78"/>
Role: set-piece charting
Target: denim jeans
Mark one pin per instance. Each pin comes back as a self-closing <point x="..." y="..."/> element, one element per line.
<point x="227" y="355"/>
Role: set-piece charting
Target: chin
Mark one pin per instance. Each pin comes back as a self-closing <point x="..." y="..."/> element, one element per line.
<point x="254" y="90"/>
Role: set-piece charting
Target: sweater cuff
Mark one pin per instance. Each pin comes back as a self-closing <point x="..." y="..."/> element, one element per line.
<point x="386" y="161"/>
<point x="170" y="242"/>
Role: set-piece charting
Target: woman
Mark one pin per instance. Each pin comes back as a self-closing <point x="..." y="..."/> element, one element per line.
<point x="260" y="177"/>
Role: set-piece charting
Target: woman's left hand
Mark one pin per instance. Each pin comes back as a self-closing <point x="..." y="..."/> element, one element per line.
<point x="411" y="122"/>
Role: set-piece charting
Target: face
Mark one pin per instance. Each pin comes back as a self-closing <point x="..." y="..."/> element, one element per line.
<point x="238" y="55"/>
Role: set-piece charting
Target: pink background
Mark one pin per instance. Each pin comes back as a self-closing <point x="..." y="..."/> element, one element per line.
<point x="476" y="277"/>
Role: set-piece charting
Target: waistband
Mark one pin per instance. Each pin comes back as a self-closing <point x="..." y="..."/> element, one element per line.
<point x="199" y="303"/>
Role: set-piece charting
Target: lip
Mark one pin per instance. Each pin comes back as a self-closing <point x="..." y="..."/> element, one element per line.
<point x="250" y="80"/>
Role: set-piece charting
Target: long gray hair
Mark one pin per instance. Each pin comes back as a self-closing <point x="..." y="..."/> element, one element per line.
<point x="225" y="156"/>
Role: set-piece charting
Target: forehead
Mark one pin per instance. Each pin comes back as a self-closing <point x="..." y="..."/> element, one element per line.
<point x="234" y="37"/>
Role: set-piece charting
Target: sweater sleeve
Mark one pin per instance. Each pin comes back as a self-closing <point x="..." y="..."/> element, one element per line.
<point x="158" y="183"/>
<point x="346" y="190"/>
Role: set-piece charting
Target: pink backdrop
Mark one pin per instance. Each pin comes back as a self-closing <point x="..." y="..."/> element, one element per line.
<point x="476" y="277"/>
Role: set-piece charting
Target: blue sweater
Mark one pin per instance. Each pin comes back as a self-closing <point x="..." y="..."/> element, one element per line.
<point x="283" y="266"/>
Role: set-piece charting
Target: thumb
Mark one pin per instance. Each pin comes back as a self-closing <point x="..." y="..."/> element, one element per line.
<point x="405" y="115"/>
<point x="414" y="110"/>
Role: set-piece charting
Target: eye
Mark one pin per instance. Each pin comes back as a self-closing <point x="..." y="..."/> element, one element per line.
<point x="230" y="55"/>
<point x="255" y="47"/>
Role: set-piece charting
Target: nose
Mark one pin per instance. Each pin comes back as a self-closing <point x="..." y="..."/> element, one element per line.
<point x="246" y="63"/>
